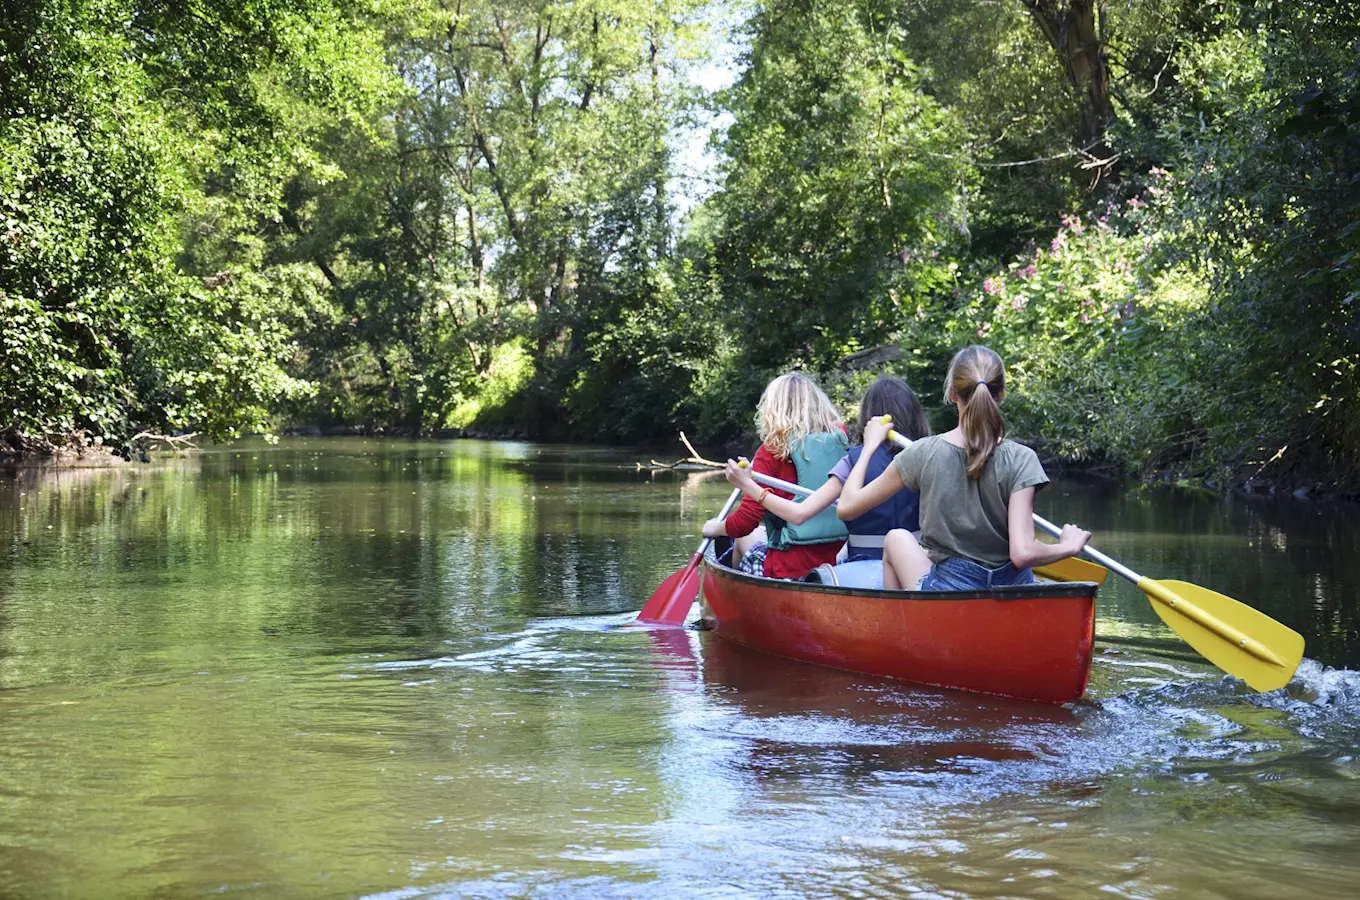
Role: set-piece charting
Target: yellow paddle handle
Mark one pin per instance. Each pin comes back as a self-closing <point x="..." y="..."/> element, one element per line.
<point x="1217" y="626"/>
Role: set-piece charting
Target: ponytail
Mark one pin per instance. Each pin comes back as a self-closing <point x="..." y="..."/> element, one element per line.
<point x="976" y="382"/>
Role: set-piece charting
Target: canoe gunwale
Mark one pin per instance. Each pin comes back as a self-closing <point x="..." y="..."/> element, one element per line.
<point x="1054" y="589"/>
<point x="1031" y="642"/>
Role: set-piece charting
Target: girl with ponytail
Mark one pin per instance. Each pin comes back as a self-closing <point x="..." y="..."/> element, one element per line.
<point x="977" y="493"/>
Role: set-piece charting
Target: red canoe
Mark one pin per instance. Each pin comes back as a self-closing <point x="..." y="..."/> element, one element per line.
<point x="1032" y="642"/>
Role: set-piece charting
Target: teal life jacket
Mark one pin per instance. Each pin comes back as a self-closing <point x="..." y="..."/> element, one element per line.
<point x="814" y="457"/>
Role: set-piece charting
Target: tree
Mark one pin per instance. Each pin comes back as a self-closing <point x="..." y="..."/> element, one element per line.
<point x="1077" y="30"/>
<point x="124" y="111"/>
<point x="514" y="194"/>
<point x="843" y="185"/>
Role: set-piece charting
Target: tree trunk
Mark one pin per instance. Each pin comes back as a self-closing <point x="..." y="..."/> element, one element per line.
<point x="661" y="219"/>
<point x="1076" y="30"/>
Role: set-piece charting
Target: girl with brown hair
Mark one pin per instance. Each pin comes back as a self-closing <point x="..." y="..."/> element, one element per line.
<point x="977" y="493"/>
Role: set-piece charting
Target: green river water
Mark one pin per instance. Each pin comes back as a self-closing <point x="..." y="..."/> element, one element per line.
<point x="386" y="669"/>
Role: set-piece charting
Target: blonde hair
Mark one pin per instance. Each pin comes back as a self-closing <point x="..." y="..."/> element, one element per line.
<point x="977" y="382"/>
<point x="793" y="407"/>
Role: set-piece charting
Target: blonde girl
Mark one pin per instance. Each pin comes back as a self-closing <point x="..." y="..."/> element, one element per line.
<point x="863" y="567"/>
<point x="801" y="439"/>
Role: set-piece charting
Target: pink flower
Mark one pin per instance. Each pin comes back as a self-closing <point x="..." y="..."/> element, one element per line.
<point x="1136" y="203"/>
<point x="1028" y="272"/>
<point x="1018" y="302"/>
<point x="991" y="286"/>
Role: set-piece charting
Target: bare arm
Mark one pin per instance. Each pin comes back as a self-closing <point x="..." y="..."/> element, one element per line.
<point x="791" y="511"/>
<point x="1027" y="550"/>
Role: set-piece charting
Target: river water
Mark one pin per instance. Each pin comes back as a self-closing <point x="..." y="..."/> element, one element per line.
<point x="357" y="668"/>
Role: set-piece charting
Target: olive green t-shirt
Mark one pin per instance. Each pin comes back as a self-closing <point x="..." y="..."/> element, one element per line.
<point x="960" y="516"/>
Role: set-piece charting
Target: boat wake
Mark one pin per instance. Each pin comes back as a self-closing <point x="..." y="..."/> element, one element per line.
<point x="1146" y="716"/>
<point x="1319" y="687"/>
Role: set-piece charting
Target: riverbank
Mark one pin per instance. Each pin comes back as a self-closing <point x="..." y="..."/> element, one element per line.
<point x="87" y="458"/>
<point x="1297" y="485"/>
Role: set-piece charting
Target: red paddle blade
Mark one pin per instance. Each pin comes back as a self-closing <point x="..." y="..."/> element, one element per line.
<point x="670" y="603"/>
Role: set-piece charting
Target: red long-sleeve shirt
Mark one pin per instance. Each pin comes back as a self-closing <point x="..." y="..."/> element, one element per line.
<point x="794" y="562"/>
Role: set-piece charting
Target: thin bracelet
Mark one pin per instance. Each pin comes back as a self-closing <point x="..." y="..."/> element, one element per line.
<point x="761" y="499"/>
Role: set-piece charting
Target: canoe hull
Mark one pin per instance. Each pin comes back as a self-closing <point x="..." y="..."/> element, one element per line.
<point x="1030" y="642"/>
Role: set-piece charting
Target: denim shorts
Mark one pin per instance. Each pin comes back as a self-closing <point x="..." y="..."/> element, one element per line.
<point x="955" y="574"/>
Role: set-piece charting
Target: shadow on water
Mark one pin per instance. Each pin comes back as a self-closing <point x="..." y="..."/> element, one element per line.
<point x="799" y="719"/>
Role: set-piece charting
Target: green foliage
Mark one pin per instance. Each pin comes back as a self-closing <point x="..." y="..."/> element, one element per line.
<point x="989" y="65"/>
<point x="842" y="185"/>
<point x="1273" y="207"/>
<point x="127" y="118"/>
<point x="1211" y="330"/>
<point x="515" y="191"/>
<point x="501" y="387"/>
<point x="419" y="214"/>
<point x="1092" y="329"/>
<point x="647" y="346"/>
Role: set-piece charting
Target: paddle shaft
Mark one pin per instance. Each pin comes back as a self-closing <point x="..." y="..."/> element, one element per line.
<point x="777" y="483"/>
<point x="727" y="508"/>
<point x="1161" y="594"/>
<point x="1092" y="552"/>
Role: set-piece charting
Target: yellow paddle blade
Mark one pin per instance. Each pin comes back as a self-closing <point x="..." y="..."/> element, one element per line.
<point x="1073" y="569"/>
<point x="1240" y="640"/>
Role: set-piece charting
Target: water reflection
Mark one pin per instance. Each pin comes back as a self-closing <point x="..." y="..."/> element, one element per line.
<point x="397" y="669"/>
